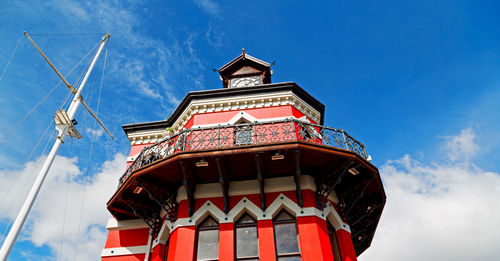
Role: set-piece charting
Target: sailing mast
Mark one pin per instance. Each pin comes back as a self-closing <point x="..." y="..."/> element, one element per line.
<point x="65" y="126"/>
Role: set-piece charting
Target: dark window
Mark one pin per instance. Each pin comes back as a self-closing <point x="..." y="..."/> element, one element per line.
<point x="208" y="240"/>
<point x="333" y="242"/>
<point x="247" y="240"/>
<point x="286" y="237"/>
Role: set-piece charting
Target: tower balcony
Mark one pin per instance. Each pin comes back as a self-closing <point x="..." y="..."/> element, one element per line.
<point x="254" y="151"/>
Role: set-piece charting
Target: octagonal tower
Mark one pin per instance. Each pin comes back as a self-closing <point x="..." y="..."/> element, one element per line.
<point x="246" y="172"/>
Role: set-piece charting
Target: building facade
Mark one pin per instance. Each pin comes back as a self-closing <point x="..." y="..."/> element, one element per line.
<point x="245" y="172"/>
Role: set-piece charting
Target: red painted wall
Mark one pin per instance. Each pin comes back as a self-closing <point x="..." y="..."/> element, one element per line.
<point x="226" y="242"/>
<point x="182" y="243"/>
<point x="313" y="238"/>
<point x="345" y="245"/>
<point x="128" y="237"/>
<point x="258" y="113"/>
<point x="267" y="252"/>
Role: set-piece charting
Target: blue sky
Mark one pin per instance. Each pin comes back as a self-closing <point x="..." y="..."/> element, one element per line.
<point x="416" y="81"/>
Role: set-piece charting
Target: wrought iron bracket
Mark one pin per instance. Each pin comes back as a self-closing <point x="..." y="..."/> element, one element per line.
<point x="360" y="195"/>
<point x="328" y="184"/>
<point x="152" y="218"/>
<point x="169" y="204"/>
<point x="189" y="185"/>
<point x="224" y="182"/>
<point x="296" y="178"/>
<point x="260" y="179"/>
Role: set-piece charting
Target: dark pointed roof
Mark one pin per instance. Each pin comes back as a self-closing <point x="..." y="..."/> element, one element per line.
<point x="241" y="60"/>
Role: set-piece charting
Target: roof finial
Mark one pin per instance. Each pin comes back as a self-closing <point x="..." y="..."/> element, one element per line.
<point x="243" y="51"/>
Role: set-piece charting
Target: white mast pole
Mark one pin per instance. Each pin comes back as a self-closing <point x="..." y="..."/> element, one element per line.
<point x="28" y="203"/>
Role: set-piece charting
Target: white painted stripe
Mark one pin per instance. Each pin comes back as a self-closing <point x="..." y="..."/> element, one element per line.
<point x="122" y="251"/>
<point x="114" y="224"/>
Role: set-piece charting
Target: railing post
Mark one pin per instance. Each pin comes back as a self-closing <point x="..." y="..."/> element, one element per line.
<point x="345" y="141"/>
<point x="218" y="136"/>
<point x="255" y="132"/>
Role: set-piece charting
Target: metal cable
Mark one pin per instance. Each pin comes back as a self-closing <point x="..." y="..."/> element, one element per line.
<point x="89" y="159"/>
<point x="65" y="206"/>
<point x="40" y="102"/>
<point x="25" y="186"/>
<point x="10" y="59"/>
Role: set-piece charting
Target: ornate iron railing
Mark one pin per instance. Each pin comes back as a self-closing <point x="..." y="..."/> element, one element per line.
<point x="227" y="136"/>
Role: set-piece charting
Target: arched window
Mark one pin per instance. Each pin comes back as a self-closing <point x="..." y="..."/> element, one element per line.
<point x="247" y="240"/>
<point x="286" y="237"/>
<point x="333" y="242"/>
<point x="208" y="240"/>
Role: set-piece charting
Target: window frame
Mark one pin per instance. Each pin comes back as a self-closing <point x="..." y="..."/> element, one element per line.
<point x="199" y="228"/>
<point x="337" y="256"/>
<point x="290" y="221"/>
<point x="255" y="224"/>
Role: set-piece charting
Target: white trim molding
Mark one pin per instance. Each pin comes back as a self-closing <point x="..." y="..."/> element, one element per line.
<point x="123" y="251"/>
<point x="114" y="224"/>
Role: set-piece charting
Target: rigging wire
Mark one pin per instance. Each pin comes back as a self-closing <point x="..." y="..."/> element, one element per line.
<point x="87" y="34"/>
<point x="28" y="158"/>
<point x="30" y="177"/>
<point x="11" y="56"/>
<point x="25" y="186"/>
<point x="65" y="206"/>
<point x="50" y="124"/>
<point x="11" y="131"/>
<point x="90" y="157"/>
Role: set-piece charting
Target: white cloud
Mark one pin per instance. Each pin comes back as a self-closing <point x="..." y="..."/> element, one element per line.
<point x="210" y="7"/>
<point x="65" y="207"/>
<point x="463" y="146"/>
<point x="96" y="133"/>
<point x="439" y="211"/>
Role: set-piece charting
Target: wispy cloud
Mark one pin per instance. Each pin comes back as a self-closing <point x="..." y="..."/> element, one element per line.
<point x="146" y="64"/>
<point x="210" y="7"/>
<point x="439" y="210"/>
<point x="214" y="36"/>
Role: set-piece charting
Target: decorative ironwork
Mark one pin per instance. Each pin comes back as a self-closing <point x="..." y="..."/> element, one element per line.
<point x="328" y="184"/>
<point x="248" y="134"/>
<point x="151" y="217"/>
<point x="169" y="204"/>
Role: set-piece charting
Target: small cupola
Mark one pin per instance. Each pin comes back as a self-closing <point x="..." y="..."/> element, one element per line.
<point x="245" y="71"/>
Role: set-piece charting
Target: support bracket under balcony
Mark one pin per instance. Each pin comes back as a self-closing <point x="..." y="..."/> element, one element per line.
<point x="224" y="182"/>
<point x="296" y="178"/>
<point x="151" y="217"/>
<point x="168" y="203"/>
<point x="260" y="179"/>
<point x="189" y="185"/>
<point x="328" y="184"/>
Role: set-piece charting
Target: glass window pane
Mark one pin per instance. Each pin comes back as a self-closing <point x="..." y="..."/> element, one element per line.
<point x="246" y="220"/>
<point x="289" y="258"/>
<point x="284" y="216"/>
<point x="208" y="245"/>
<point x="247" y="242"/>
<point x="286" y="238"/>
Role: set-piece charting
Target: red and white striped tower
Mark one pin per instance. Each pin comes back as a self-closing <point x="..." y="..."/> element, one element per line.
<point x="246" y="172"/>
